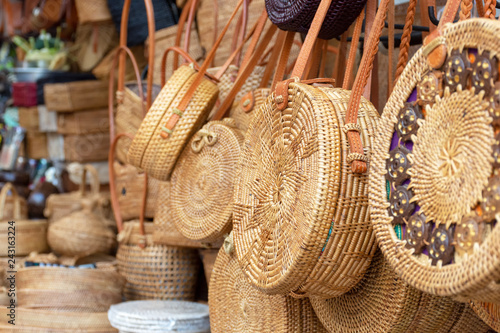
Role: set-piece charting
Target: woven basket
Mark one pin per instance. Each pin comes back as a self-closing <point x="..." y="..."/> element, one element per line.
<point x="297" y="15"/>
<point x="203" y="180"/>
<point x="160" y="316"/>
<point x="301" y="164"/>
<point x="382" y="302"/>
<point x="61" y="205"/>
<point x="92" y="43"/>
<point x="489" y="313"/>
<point x="149" y="151"/>
<point x="26" y="235"/>
<point x="81" y="233"/>
<point x="149" y="270"/>
<point x="211" y="17"/>
<point x="165" y="232"/>
<point x="69" y="289"/>
<point x="450" y="174"/>
<point x="31" y="320"/>
<point x="243" y="111"/>
<point x="8" y="212"/>
<point x="75" y="96"/>
<point x="92" y="11"/>
<point x="235" y="306"/>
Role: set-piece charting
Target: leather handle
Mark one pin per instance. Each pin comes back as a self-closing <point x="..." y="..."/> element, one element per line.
<point x="405" y="39"/>
<point x="244" y="74"/>
<point x="111" y="86"/>
<point x="180" y="52"/>
<point x="356" y="156"/>
<point x="151" y="52"/>
<point x="187" y="14"/>
<point x="112" y="188"/>
<point x="273" y="59"/>
<point x="174" y="118"/>
<point x="312" y="35"/>
<point x="240" y="32"/>
<point x="352" y="51"/>
<point x="284" y="55"/>
<point x="15" y="198"/>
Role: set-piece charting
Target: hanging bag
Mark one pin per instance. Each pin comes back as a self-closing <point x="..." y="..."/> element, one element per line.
<point x="179" y="111"/>
<point x="147" y="267"/>
<point x="434" y="182"/>
<point x="301" y="222"/>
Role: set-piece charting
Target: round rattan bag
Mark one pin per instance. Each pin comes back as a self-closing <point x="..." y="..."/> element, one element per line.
<point x="301" y="218"/>
<point x="435" y="167"/>
<point x="235" y="306"/>
<point x="243" y="111"/>
<point x="203" y="180"/>
<point x="382" y="302"/>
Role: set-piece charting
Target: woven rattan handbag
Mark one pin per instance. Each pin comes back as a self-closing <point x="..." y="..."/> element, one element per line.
<point x="235" y="306"/>
<point x="297" y="15"/>
<point x="61" y="205"/>
<point x="203" y="180"/>
<point x="81" y="233"/>
<point x="179" y="111"/>
<point x="301" y="222"/>
<point x="148" y="268"/>
<point x="434" y="186"/>
<point x="70" y="289"/>
<point x="24" y="235"/>
<point x="10" y="201"/>
<point x="382" y="302"/>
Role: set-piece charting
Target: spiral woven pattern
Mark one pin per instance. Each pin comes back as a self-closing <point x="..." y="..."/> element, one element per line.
<point x="382" y="302"/>
<point x="471" y="276"/>
<point x="455" y="132"/>
<point x="488" y="312"/>
<point x="203" y="182"/>
<point x="149" y="151"/>
<point x="296" y="191"/>
<point x="297" y="15"/>
<point x="235" y="306"/>
<point x="158" y="271"/>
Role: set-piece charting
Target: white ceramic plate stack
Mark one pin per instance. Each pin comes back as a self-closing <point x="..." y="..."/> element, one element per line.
<point x="160" y="316"/>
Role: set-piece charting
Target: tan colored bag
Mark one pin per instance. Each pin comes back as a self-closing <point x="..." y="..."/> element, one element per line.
<point x="61" y="205"/>
<point x="82" y="233"/>
<point x="301" y="218"/>
<point x="25" y="236"/>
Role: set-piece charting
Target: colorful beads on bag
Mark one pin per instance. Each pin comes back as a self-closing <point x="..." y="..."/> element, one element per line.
<point x="467" y="233"/>
<point x="491" y="199"/>
<point x="398" y="165"/>
<point x="429" y="87"/>
<point x="417" y="233"/>
<point x="440" y="247"/>
<point x="407" y="124"/>
<point x="484" y="73"/>
<point x="457" y="70"/>
<point x="401" y="206"/>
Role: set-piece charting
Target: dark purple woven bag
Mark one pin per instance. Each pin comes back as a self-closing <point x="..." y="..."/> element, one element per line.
<point x="297" y="15"/>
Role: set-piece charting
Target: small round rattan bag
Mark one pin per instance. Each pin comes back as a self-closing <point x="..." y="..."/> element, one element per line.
<point x="301" y="222"/>
<point x="382" y="302"/>
<point x="435" y="184"/>
<point x="235" y="306"/>
<point x="203" y="180"/>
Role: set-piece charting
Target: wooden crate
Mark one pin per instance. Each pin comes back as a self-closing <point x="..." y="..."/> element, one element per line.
<point x="86" y="147"/>
<point x="83" y="122"/>
<point x="28" y="118"/>
<point x="36" y="145"/>
<point x="76" y="96"/>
